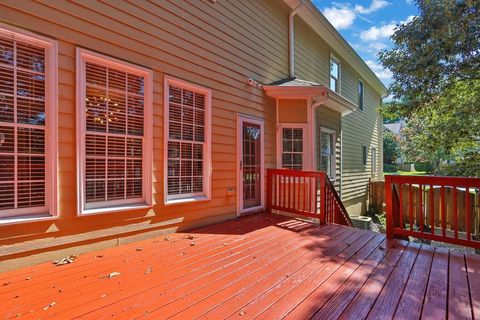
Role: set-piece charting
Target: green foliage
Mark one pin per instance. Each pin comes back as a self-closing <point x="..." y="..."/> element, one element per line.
<point x="434" y="51"/>
<point x="391" y="147"/>
<point x="446" y="131"/>
<point x="392" y="111"/>
<point x="424" y="167"/>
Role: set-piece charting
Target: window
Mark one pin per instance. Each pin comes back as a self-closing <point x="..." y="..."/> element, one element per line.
<point x="334" y="74"/>
<point x="292" y="148"/>
<point x="327" y="152"/>
<point x="374" y="160"/>
<point x="188" y="141"/>
<point x="364" y="155"/>
<point x="360" y="95"/>
<point x="27" y="124"/>
<point x="114" y="132"/>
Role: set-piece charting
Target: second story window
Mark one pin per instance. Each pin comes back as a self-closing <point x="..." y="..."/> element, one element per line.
<point x="334" y="74"/>
<point x="27" y="124"/>
<point x="364" y="155"/>
<point x="360" y="95"/>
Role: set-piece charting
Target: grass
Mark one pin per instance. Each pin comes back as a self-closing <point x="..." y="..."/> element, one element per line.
<point x="411" y="173"/>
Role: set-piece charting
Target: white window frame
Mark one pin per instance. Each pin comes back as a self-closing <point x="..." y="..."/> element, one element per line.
<point x="50" y="209"/>
<point x="207" y="165"/>
<point x="83" y="56"/>
<point x="305" y="155"/>
<point x="361" y="98"/>
<point x="337" y="61"/>
<point x="333" y="160"/>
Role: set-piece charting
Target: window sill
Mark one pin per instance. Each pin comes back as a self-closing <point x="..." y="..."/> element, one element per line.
<point x="26" y="219"/>
<point x="186" y="200"/>
<point x="91" y="212"/>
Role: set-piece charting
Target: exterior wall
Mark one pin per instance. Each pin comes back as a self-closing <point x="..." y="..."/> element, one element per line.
<point x="292" y="110"/>
<point x="215" y="45"/>
<point x="359" y="127"/>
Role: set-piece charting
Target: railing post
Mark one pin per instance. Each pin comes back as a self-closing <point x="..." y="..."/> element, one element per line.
<point x="269" y="191"/>
<point x="323" y="198"/>
<point x="389" y="206"/>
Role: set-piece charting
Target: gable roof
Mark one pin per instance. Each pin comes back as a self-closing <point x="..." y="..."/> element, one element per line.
<point x="317" y="21"/>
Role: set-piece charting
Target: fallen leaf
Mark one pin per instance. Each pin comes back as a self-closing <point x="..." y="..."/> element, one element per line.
<point x="104" y="295"/>
<point x="192" y="244"/>
<point x="6" y="283"/>
<point x="66" y="260"/>
<point x="50" y="305"/>
<point x="189" y="237"/>
<point x="111" y="275"/>
<point x="139" y="249"/>
<point x="242" y="313"/>
<point x="149" y="269"/>
<point x="28" y="278"/>
<point x="99" y="256"/>
<point x="382" y="248"/>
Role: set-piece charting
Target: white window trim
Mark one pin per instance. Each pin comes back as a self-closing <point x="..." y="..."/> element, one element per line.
<point x="50" y="210"/>
<point x="306" y="150"/>
<point x="333" y="162"/>
<point x="207" y="166"/>
<point x="339" y="79"/>
<point x="362" y="97"/>
<point x="84" y="56"/>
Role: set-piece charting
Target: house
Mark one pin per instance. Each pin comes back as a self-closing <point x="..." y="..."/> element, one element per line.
<point x="121" y="121"/>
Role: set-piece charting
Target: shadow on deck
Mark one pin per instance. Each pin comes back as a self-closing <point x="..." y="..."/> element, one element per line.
<point x="263" y="266"/>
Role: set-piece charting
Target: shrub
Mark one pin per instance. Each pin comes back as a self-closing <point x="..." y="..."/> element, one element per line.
<point x="424" y="167"/>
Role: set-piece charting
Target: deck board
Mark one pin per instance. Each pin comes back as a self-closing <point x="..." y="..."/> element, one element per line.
<point x="262" y="266"/>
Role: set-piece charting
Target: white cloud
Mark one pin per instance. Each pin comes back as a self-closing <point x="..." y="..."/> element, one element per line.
<point x="376" y="33"/>
<point x="409" y="19"/>
<point x="382" y="73"/>
<point x="374" y="6"/>
<point x="342" y="15"/>
<point x="340" y="18"/>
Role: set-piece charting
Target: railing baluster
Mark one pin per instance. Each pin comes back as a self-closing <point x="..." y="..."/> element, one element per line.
<point x="400" y="205"/>
<point x="468" y="212"/>
<point x="420" y="200"/>
<point x="432" y="211"/>
<point x="444" y="211"/>
<point x="410" y="206"/>
<point x="455" y="213"/>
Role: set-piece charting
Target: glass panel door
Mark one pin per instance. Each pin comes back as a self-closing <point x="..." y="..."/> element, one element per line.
<point x="251" y="164"/>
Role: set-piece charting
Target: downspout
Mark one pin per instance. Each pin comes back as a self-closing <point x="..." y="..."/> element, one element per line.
<point x="291" y="38"/>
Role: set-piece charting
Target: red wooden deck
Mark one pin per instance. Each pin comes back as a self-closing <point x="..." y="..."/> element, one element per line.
<point x="263" y="267"/>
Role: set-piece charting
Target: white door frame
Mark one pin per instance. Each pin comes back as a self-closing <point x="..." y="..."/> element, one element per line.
<point x="241" y="118"/>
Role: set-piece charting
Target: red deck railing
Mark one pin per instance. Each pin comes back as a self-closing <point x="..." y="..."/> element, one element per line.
<point x="306" y="193"/>
<point x="442" y="209"/>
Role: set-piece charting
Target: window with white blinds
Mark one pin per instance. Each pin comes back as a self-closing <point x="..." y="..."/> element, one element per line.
<point x="114" y="138"/>
<point x="27" y="110"/>
<point x="187" y="149"/>
<point x="292" y="148"/>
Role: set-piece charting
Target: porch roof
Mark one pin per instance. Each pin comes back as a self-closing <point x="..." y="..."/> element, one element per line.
<point x="294" y="88"/>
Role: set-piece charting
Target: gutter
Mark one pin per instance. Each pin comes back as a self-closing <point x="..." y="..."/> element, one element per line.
<point x="291" y="38"/>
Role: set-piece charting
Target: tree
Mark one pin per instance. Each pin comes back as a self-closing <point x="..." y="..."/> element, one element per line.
<point x="391" y="147"/>
<point x="434" y="51"/>
<point x="446" y="131"/>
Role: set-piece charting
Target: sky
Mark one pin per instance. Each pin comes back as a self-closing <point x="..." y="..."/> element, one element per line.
<point x="367" y="25"/>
